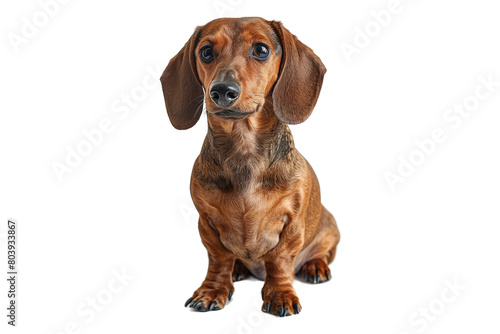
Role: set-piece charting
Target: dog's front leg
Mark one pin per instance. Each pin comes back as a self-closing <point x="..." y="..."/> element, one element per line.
<point x="217" y="287"/>
<point x="278" y="293"/>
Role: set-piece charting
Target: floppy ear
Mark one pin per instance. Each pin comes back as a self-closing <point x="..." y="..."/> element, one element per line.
<point x="182" y="89"/>
<point x="300" y="78"/>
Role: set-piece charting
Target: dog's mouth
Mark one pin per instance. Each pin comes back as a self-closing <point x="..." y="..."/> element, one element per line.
<point x="232" y="114"/>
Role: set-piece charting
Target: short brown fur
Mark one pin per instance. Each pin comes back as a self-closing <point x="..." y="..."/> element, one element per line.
<point x="257" y="197"/>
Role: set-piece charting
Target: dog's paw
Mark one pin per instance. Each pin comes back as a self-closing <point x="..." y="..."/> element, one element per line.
<point x="240" y="272"/>
<point x="209" y="299"/>
<point x="281" y="302"/>
<point x="315" y="271"/>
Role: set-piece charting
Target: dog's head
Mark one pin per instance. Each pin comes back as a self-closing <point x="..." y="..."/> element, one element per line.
<point x="236" y="66"/>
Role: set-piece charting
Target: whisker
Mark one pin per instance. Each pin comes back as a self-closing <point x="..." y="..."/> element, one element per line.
<point x="264" y="108"/>
<point x="265" y="111"/>
<point x="267" y="100"/>
<point x="197" y="109"/>
<point x="263" y="94"/>
<point x="202" y="95"/>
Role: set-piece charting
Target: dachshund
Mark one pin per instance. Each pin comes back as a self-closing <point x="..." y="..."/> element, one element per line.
<point x="258" y="199"/>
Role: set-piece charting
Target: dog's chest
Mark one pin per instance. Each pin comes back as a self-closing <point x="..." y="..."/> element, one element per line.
<point x="245" y="190"/>
<point x="251" y="225"/>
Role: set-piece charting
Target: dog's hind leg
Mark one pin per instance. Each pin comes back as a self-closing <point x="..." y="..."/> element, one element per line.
<point x="312" y="263"/>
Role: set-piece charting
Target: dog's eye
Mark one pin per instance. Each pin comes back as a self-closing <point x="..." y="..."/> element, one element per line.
<point x="260" y="51"/>
<point x="207" y="53"/>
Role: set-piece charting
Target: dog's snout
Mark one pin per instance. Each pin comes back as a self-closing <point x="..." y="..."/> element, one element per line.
<point x="224" y="93"/>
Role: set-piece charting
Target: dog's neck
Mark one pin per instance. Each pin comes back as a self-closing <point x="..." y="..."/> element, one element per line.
<point x="260" y="136"/>
<point x="244" y="150"/>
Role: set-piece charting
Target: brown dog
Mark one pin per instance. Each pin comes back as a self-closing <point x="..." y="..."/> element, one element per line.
<point x="258" y="198"/>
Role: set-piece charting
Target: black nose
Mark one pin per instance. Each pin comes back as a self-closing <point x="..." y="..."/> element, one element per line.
<point x="224" y="93"/>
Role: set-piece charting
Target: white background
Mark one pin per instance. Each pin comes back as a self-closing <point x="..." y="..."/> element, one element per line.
<point x="126" y="206"/>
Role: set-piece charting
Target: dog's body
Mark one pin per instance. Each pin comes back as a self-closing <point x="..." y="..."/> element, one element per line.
<point x="249" y="196"/>
<point x="258" y="198"/>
